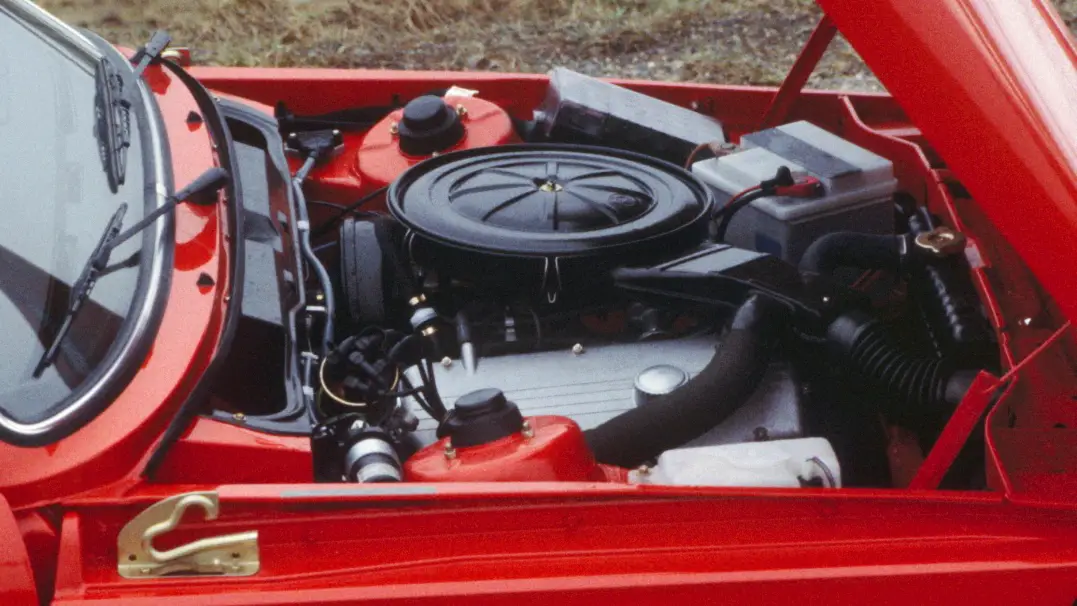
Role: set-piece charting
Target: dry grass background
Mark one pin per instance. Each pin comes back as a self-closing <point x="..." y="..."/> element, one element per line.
<point x="730" y="41"/>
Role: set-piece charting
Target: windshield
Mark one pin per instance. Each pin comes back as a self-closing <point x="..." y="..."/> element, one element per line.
<point x="56" y="200"/>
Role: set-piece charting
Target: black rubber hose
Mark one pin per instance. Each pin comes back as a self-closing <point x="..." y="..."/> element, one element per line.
<point x="726" y="383"/>
<point x="950" y="303"/>
<point x="927" y="389"/>
<point x="852" y="249"/>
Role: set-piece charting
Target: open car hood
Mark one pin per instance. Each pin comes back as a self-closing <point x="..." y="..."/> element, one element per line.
<point x="991" y="86"/>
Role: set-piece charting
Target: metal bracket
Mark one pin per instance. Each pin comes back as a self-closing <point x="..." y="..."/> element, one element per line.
<point x="227" y="555"/>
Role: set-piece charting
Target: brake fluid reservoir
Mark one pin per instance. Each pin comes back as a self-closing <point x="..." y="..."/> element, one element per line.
<point x="427" y="126"/>
<point x="486" y="439"/>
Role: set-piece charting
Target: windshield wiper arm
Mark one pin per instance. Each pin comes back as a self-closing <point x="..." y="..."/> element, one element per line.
<point x="83" y="286"/>
<point x="212" y="180"/>
<point x="113" y="111"/>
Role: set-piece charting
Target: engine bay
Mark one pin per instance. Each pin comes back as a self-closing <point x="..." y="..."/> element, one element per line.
<point x="612" y="290"/>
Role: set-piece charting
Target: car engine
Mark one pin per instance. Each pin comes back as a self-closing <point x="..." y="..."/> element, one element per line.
<point x="612" y="291"/>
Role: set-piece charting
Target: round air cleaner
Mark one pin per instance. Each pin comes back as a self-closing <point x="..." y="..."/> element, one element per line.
<point x="546" y="218"/>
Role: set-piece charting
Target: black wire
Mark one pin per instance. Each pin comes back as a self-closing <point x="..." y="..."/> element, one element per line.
<point x="346" y="210"/>
<point x="538" y="326"/>
<point x="417" y="396"/>
<point x="434" y="395"/>
<point x="324" y="203"/>
<point x="725" y="214"/>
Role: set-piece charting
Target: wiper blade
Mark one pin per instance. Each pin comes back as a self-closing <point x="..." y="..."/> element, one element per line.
<point x="211" y="180"/>
<point x="83" y="286"/>
<point x="113" y="111"/>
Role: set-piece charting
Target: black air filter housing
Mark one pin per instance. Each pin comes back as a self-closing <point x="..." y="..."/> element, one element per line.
<point x="547" y="219"/>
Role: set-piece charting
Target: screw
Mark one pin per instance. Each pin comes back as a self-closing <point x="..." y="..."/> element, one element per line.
<point x="336" y="133"/>
<point x="292" y="136"/>
<point x="429" y="330"/>
<point x="578" y="349"/>
<point x="446" y="362"/>
<point x="319" y="297"/>
<point x="240" y="417"/>
<point x="527" y="431"/>
<point x="450" y="452"/>
<point x="394" y="129"/>
<point x="461" y="111"/>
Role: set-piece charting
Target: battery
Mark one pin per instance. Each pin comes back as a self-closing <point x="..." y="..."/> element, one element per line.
<point x="858" y="189"/>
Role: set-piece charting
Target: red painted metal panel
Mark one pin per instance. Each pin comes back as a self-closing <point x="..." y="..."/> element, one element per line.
<point x="16" y="575"/>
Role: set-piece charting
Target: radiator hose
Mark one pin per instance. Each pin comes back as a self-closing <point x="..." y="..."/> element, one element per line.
<point x="723" y="386"/>
<point x="852" y="249"/>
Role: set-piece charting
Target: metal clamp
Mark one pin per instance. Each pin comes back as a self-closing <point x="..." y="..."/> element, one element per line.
<point x="227" y="555"/>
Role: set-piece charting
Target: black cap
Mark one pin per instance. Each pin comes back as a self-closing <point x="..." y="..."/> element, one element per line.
<point x="429" y="125"/>
<point x="480" y="417"/>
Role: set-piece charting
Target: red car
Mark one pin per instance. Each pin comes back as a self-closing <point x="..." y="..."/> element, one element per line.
<point x="282" y="336"/>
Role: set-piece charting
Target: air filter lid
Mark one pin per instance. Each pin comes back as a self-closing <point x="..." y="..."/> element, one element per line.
<point x="553" y="204"/>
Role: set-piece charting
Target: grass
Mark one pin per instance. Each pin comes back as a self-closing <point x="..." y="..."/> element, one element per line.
<point x="731" y="41"/>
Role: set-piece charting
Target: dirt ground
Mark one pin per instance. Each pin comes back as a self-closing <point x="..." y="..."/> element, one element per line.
<point x="730" y="41"/>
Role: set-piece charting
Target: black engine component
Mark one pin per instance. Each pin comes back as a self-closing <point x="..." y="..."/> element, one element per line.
<point x="374" y="281"/>
<point x="361" y="374"/>
<point x="546" y="219"/>
<point x="581" y="109"/>
<point x="346" y="448"/>
<point x="481" y="417"/>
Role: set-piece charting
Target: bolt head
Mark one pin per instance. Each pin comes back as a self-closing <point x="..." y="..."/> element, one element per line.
<point x="578" y="349"/>
<point x="450" y="452"/>
<point x="446" y="362"/>
<point x="240" y="417"/>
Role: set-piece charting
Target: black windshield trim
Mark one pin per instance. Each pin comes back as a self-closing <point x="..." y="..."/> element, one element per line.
<point x="215" y="120"/>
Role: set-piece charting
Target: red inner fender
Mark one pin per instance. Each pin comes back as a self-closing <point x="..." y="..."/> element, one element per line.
<point x="555" y="452"/>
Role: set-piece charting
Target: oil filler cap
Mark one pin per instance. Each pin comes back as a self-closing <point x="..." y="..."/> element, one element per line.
<point x="428" y="125"/>
<point x="480" y="417"/>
